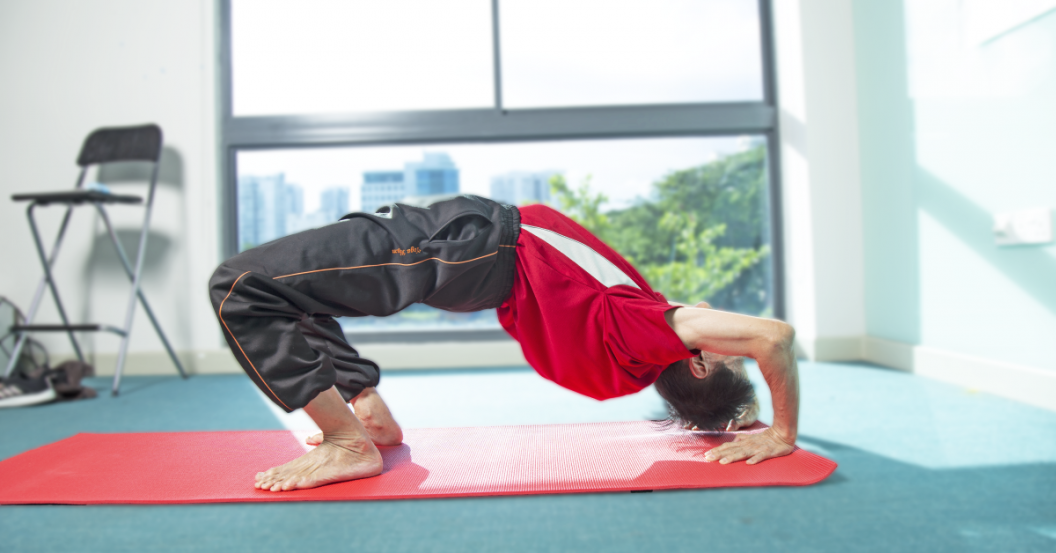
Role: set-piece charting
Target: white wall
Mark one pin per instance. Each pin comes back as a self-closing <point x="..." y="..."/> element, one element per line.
<point x="69" y="67"/>
<point x="820" y="172"/>
<point x="956" y="118"/>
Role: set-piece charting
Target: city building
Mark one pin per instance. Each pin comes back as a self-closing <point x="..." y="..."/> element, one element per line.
<point x="381" y="188"/>
<point x="294" y="198"/>
<point x="333" y="203"/>
<point x="521" y="188"/>
<point x="264" y="203"/>
<point x="435" y="176"/>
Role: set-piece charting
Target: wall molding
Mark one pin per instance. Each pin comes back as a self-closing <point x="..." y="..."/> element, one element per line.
<point x="391" y="356"/>
<point x="1031" y="385"/>
<point x="830" y="348"/>
<point x="157" y="363"/>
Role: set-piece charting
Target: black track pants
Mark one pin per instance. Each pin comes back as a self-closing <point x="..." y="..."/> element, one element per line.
<point x="276" y="303"/>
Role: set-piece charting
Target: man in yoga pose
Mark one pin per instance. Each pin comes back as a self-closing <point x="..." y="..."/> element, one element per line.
<point x="583" y="315"/>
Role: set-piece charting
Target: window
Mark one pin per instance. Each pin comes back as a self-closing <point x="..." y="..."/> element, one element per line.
<point x="328" y="56"/>
<point x="649" y="122"/>
<point x="559" y="53"/>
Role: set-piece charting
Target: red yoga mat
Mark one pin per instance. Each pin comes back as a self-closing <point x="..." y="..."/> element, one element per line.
<point x="218" y="467"/>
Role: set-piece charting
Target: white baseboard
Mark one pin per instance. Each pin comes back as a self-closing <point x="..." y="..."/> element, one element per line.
<point x="1029" y="385"/>
<point x="896" y="355"/>
<point x="428" y="355"/>
<point x="155" y="363"/>
<point x="445" y="355"/>
<point x="830" y="348"/>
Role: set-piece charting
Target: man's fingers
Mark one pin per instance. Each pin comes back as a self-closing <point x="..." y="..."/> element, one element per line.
<point x="733" y="456"/>
<point x="725" y="453"/>
<point x="755" y="448"/>
<point x="758" y="457"/>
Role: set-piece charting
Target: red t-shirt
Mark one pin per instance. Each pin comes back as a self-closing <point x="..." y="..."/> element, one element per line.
<point x="577" y="324"/>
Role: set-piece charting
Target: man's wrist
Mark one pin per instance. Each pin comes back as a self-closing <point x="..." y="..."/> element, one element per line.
<point x="784" y="434"/>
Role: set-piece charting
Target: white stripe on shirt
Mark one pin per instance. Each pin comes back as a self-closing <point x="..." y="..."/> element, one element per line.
<point x="595" y="264"/>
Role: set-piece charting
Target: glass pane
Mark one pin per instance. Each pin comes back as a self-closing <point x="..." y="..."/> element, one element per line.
<point x="611" y="52"/>
<point x="692" y="214"/>
<point x="324" y="56"/>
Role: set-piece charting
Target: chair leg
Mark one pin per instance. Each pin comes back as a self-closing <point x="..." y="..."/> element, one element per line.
<point x="123" y="352"/>
<point x="23" y="336"/>
<point x="129" y="313"/>
<point x="38" y="296"/>
<point x="142" y="297"/>
<point x="137" y="273"/>
<point x="46" y="262"/>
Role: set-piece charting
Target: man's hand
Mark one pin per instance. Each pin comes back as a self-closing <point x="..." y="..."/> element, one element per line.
<point x="754" y="447"/>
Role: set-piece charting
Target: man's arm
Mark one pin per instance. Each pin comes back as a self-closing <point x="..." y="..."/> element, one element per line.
<point x="767" y="341"/>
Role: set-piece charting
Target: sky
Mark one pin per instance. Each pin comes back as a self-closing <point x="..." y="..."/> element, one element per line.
<point x="327" y="56"/>
<point x="330" y="56"/>
<point x="623" y="169"/>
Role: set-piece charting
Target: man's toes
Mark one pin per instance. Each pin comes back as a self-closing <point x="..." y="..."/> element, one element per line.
<point x="269" y="479"/>
<point x="314" y="440"/>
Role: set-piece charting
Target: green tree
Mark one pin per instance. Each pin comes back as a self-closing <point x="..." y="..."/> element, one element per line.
<point x="581" y="205"/>
<point x="701" y="269"/>
<point x="703" y="234"/>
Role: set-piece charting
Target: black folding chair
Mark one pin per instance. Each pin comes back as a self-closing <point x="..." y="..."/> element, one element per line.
<point x="102" y="146"/>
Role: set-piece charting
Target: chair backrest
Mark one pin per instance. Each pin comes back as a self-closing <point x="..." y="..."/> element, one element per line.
<point x="142" y="143"/>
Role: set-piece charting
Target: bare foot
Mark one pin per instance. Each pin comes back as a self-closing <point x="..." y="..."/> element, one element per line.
<point x="376" y="418"/>
<point x="331" y="462"/>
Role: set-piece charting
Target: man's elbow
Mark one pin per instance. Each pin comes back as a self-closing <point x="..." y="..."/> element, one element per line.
<point x="780" y="338"/>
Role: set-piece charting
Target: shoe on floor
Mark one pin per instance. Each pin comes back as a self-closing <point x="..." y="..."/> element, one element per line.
<point x="19" y="391"/>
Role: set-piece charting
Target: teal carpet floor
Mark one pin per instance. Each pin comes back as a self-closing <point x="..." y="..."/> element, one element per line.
<point x="924" y="466"/>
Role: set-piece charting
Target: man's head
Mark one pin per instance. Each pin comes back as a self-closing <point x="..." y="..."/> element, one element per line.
<point x="707" y="391"/>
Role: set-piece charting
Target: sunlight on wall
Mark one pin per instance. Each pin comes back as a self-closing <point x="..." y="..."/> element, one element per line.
<point x="956" y="115"/>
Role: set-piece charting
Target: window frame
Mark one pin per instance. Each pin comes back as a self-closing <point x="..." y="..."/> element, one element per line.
<point x="494" y="125"/>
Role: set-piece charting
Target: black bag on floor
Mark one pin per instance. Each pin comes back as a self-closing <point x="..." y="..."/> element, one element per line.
<point x="32" y="381"/>
<point x="66" y="378"/>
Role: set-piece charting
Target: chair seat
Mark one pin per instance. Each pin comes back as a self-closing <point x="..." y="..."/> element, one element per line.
<point x="76" y="197"/>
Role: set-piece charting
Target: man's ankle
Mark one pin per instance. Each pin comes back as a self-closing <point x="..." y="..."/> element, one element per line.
<point x="366" y="393"/>
<point x="351" y="442"/>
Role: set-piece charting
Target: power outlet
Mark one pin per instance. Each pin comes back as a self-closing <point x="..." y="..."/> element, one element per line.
<point x="1027" y="226"/>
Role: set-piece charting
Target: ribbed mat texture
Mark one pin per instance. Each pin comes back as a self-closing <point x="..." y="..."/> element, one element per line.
<point x="218" y="467"/>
